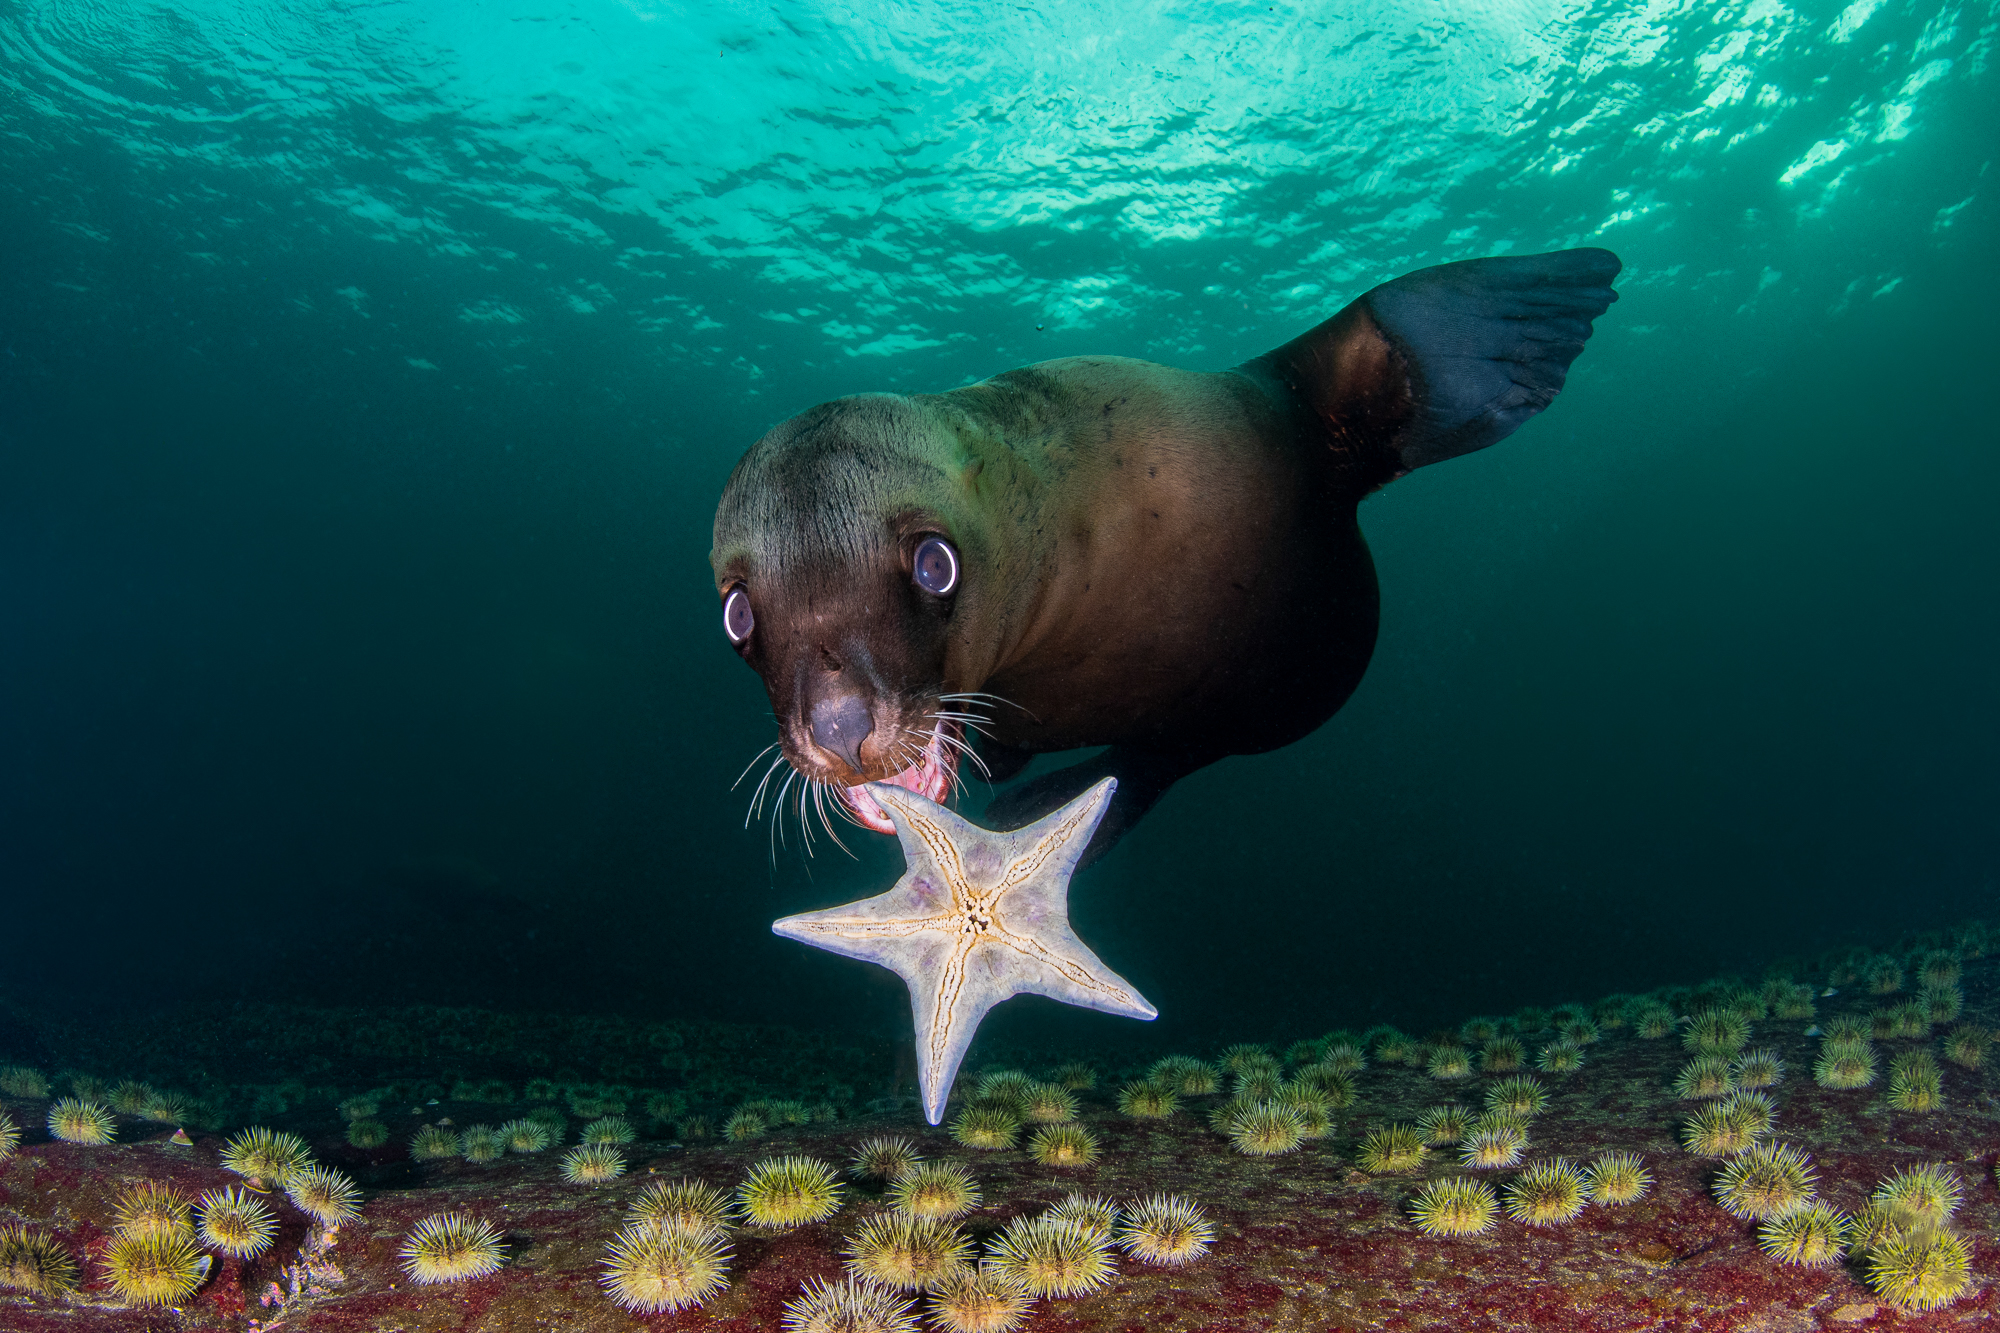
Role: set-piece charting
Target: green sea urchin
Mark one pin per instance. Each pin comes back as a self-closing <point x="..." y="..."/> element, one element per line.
<point x="1940" y="1004"/>
<point x="1245" y="1056"/>
<point x="1966" y="1045"/>
<point x="323" y="1194"/>
<point x="1392" y="1149"/>
<point x="157" y="1268"/>
<point x="1076" y="1076"/>
<point x="10" y="1136"/>
<point x="1051" y="1105"/>
<point x="780" y="1193"/>
<point x="1844" y="1066"/>
<point x="74" y="1120"/>
<point x="1940" y="967"/>
<point x="592" y="1164"/>
<point x="367" y="1134"/>
<point x="1502" y="1055"/>
<point x="1448" y="1063"/>
<point x="1492" y="1147"/>
<point x="907" y="1253"/>
<point x="36" y="1263"/>
<point x="610" y="1129"/>
<point x="1444" y="1125"/>
<point x="992" y="1127"/>
<point x="1921" y="1271"/>
<point x="1333" y="1086"/>
<point x="1618" y="1178"/>
<point x="1755" y="1110"/>
<point x="1812" y="1236"/>
<point x="1165" y="1229"/>
<point x="21" y="1081"/>
<point x="1260" y="1130"/>
<point x="1457" y="1207"/>
<point x="885" y="1159"/>
<point x="850" y="1306"/>
<point x="1766" y="1181"/>
<point x="1547" y="1194"/>
<point x="481" y="1144"/>
<point x="1716" y="1032"/>
<point x="935" y="1189"/>
<point x="1063" y="1145"/>
<point x="1560" y="1057"/>
<point x="652" y="1270"/>
<point x="1523" y="1096"/>
<point x="1914" y="1082"/>
<point x="1703" y="1077"/>
<point x="1924" y="1195"/>
<point x="1760" y="1068"/>
<point x="1314" y="1112"/>
<point x="1715" y="1131"/>
<point x="235" y="1223"/>
<point x="267" y="1156"/>
<point x="1009" y="1087"/>
<point x="1053" y="1256"/>
<point x="689" y="1204"/>
<point x="1650" y="1022"/>
<point x="526" y="1136"/>
<point x="152" y="1209"/>
<point x="450" y="1247"/>
<point x="1883" y="975"/>
<point x="744" y="1125"/>
<point x="1185" y="1075"/>
<point x="979" y="1300"/>
<point x="433" y="1143"/>
<point x="1088" y="1210"/>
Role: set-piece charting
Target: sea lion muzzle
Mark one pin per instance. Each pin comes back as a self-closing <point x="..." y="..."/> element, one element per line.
<point x="840" y="723"/>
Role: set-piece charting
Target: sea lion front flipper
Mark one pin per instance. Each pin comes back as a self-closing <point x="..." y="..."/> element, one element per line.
<point x="1445" y="360"/>
<point x="1143" y="778"/>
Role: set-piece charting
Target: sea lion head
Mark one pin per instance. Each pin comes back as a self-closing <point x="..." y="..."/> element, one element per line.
<point x="846" y="556"/>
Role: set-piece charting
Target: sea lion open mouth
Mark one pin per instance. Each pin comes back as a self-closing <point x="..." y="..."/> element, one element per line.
<point x="931" y="777"/>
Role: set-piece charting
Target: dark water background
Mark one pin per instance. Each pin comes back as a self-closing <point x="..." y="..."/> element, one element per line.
<point x="368" y="375"/>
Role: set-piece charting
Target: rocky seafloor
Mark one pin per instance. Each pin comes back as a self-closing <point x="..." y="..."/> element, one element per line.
<point x="1304" y="1240"/>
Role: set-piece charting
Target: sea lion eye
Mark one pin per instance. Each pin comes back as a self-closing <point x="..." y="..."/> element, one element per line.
<point x="737" y="622"/>
<point x="935" y="567"/>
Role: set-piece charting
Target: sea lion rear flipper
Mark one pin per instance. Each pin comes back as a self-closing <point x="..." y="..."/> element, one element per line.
<point x="1445" y="360"/>
<point x="1143" y="778"/>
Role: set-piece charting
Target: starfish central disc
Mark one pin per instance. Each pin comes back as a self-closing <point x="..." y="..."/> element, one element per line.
<point x="978" y="917"/>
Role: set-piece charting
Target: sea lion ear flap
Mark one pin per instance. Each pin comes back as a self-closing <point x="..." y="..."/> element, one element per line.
<point x="1445" y="360"/>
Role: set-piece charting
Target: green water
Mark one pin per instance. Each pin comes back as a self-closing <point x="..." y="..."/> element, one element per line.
<point x="368" y="374"/>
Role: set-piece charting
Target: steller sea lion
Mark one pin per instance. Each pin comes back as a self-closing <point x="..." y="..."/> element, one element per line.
<point x="1098" y="551"/>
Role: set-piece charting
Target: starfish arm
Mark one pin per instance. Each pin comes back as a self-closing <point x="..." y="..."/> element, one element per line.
<point x="947" y="1007"/>
<point x="1042" y="857"/>
<point x="1058" y="965"/>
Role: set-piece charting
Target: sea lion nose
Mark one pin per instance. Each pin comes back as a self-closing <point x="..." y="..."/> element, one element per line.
<point x="840" y="723"/>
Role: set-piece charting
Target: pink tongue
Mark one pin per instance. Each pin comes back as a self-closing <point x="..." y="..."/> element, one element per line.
<point x="927" y="777"/>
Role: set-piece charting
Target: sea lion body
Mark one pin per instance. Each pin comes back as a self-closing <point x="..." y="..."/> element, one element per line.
<point x="1170" y="564"/>
<point x="1099" y="551"/>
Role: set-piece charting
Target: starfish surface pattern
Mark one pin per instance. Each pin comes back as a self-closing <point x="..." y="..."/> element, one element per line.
<point x="978" y="917"/>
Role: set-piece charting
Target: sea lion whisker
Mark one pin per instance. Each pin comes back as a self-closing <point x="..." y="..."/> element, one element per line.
<point x="805" y="818"/>
<point x="978" y="698"/>
<point x="752" y="764"/>
<point x="778" y="816"/>
<point x="958" y="746"/>
<point x="756" y="810"/>
<point x="972" y="720"/>
<point x="820" y="790"/>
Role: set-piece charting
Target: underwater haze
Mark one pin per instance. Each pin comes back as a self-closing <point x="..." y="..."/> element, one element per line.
<point x="369" y="373"/>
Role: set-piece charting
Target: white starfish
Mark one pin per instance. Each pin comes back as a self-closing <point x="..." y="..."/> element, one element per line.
<point x="977" y="918"/>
